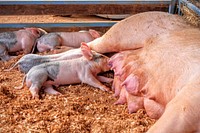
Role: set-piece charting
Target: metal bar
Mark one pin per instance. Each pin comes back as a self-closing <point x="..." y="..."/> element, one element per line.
<point x="179" y="7"/>
<point x="83" y="2"/>
<point x="50" y="25"/>
<point x="172" y="6"/>
<point x="191" y="6"/>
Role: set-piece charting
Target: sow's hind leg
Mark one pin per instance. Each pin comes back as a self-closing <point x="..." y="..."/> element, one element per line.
<point x="182" y="112"/>
<point x="36" y="78"/>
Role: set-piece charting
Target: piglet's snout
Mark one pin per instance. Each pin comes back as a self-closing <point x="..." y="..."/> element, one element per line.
<point x="107" y="64"/>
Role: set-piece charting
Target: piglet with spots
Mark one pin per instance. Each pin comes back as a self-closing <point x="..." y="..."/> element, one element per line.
<point x="30" y="60"/>
<point x="83" y="69"/>
<point x="65" y="39"/>
<point x="17" y="41"/>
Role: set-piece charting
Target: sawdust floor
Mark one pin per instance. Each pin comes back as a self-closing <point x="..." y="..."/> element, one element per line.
<point x="80" y="108"/>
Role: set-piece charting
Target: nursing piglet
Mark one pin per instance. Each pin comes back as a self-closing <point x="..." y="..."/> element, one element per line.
<point x="83" y="69"/>
<point x="30" y="60"/>
<point x="70" y="39"/>
<point x="16" y="41"/>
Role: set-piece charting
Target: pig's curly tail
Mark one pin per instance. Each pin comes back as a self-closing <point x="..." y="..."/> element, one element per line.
<point x="22" y="84"/>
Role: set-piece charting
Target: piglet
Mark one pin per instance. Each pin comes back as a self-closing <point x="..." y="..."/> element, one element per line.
<point x="83" y="69"/>
<point x="28" y="61"/>
<point x="16" y="41"/>
<point x="70" y="39"/>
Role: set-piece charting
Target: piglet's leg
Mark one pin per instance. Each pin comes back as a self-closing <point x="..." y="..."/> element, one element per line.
<point x="49" y="89"/>
<point x="34" y="91"/>
<point x="91" y="80"/>
<point x="104" y="79"/>
<point x="35" y="80"/>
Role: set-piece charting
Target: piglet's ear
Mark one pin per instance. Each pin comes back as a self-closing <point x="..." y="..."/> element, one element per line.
<point x="94" y="33"/>
<point x="34" y="31"/>
<point x="86" y="51"/>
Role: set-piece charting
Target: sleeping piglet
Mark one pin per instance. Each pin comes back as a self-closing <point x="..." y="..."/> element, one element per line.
<point x="83" y="69"/>
<point x="70" y="39"/>
<point x="16" y="41"/>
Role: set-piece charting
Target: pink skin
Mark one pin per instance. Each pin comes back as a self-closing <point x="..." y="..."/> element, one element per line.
<point x="126" y="35"/>
<point x="181" y="113"/>
<point x="26" y="39"/>
<point x="131" y="64"/>
<point x="30" y="60"/>
<point x="25" y="42"/>
<point x="117" y="60"/>
<point x="170" y="85"/>
<point x="116" y="64"/>
<point x="123" y="65"/>
<point x="122" y="97"/>
<point x="128" y="92"/>
<point x="104" y="79"/>
<point x="134" y="103"/>
<point x="60" y="49"/>
<point x="126" y="87"/>
<point x="171" y="62"/>
<point x="83" y="69"/>
<point x="65" y="39"/>
<point x="49" y="89"/>
<point x="131" y="84"/>
<point x="70" y="54"/>
<point x="116" y="86"/>
<point x="120" y="60"/>
<point x="153" y="109"/>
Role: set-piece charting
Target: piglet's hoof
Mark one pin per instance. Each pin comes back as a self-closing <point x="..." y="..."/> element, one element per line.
<point x="18" y="87"/>
<point x="35" y="96"/>
<point x="50" y="90"/>
<point x="106" y="89"/>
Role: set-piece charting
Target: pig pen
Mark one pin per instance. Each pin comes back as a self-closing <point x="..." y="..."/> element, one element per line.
<point x="81" y="108"/>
